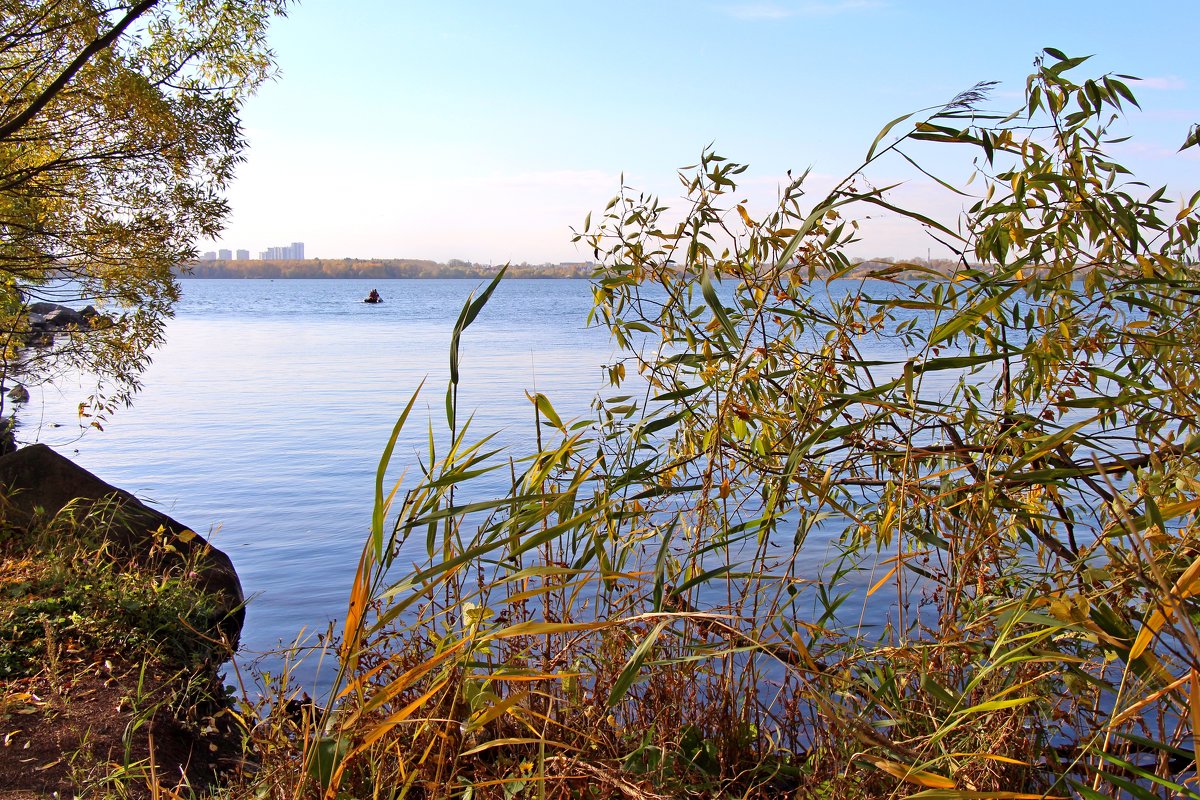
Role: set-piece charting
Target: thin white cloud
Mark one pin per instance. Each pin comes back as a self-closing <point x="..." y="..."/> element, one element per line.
<point x="768" y="10"/>
<point x="1164" y="82"/>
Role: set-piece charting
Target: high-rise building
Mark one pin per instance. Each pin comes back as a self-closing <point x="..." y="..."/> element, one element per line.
<point x="209" y="256"/>
<point x="225" y="255"/>
<point x="243" y="255"/>
<point x="293" y="252"/>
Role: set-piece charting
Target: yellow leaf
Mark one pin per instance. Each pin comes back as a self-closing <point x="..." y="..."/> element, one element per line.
<point x="186" y="535"/>
<point x="802" y="648"/>
<point x="992" y="757"/>
<point x="373" y="735"/>
<point x="882" y="580"/>
<point x="906" y="773"/>
<point x="996" y="705"/>
<point x="489" y="713"/>
<point x="1194" y="708"/>
<point x="962" y="794"/>
<point x="510" y="741"/>
<point x="1188" y="583"/>
<point x="1186" y="586"/>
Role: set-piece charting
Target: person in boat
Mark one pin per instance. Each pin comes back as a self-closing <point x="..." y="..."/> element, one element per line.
<point x="374" y="297"/>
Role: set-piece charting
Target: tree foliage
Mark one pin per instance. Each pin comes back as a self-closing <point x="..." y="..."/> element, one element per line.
<point x="119" y="129"/>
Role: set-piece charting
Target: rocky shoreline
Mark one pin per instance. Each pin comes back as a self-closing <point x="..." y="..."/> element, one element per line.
<point x="96" y="710"/>
<point x="47" y="319"/>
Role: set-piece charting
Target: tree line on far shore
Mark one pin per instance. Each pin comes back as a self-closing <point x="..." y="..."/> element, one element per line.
<point x="423" y="268"/>
<point x="375" y="268"/>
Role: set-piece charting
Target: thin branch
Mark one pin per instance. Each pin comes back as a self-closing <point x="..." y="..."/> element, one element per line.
<point x="96" y="46"/>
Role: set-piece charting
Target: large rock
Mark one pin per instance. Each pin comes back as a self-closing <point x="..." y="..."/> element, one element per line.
<point x="37" y="482"/>
<point x="62" y="317"/>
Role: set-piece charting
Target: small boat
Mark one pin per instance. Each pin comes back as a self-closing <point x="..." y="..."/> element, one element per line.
<point x="372" y="299"/>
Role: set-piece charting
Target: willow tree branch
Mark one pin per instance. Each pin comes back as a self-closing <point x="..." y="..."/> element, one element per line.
<point x="97" y="45"/>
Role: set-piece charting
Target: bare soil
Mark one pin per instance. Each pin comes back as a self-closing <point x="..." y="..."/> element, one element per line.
<point x="73" y="736"/>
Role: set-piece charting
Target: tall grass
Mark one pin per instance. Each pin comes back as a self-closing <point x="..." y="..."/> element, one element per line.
<point x="1007" y="607"/>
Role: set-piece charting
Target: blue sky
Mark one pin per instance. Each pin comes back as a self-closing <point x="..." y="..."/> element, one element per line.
<point x="485" y="130"/>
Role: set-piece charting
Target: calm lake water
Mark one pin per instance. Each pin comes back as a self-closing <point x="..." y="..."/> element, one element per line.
<point x="265" y="413"/>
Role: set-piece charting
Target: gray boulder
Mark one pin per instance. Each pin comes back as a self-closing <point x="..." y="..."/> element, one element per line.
<point x="36" y="482"/>
<point x="62" y="317"/>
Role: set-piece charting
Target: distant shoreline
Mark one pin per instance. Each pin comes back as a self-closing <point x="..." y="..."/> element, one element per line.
<point x="454" y="277"/>
<point x="408" y="269"/>
<point x="375" y="269"/>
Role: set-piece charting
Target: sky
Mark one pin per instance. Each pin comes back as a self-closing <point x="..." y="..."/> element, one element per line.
<point x="485" y="130"/>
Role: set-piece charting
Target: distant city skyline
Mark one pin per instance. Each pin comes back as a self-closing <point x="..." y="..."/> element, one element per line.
<point x="292" y="252"/>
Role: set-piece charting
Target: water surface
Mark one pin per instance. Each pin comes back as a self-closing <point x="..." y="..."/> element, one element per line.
<point x="264" y="415"/>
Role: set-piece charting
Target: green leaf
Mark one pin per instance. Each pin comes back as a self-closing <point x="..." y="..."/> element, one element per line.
<point x="1193" y="138"/>
<point x="633" y="666"/>
<point x="660" y="564"/>
<point x="1123" y="90"/>
<point x="714" y="303"/>
<point x="325" y="756"/>
<point x="969" y="316"/>
<point x="957" y="362"/>
<point x="702" y="578"/>
<point x="380" y="509"/>
<point x="940" y="693"/>
<point x="542" y="403"/>
<point x="886" y="129"/>
<point x="470" y="311"/>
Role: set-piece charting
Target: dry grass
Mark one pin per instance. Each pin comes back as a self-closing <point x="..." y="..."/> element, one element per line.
<point x="108" y="686"/>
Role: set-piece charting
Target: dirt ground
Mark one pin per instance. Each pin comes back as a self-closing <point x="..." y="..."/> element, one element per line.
<point x="71" y="738"/>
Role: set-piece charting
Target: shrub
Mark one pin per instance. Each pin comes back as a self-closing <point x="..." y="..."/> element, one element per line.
<point x="1003" y="456"/>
